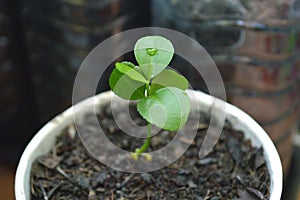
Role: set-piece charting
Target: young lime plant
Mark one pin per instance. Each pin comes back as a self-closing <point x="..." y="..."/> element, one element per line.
<point x="160" y="92"/>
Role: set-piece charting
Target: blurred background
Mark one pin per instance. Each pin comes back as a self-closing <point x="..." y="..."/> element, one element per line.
<point x="255" y="44"/>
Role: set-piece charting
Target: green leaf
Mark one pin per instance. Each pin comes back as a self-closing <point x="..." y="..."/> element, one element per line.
<point x="153" y="54"/>
<point x="130" y="64"/>
<point x="131" y="72"/>
<point x="168" y="108"/>
<point x="125" y="87"/>
<point x="168" y="78"/>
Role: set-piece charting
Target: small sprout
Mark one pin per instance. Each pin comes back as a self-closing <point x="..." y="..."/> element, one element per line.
<point x="147" y="156"/>
<point x="160" y="92"/>
<point x="135" y="156"/>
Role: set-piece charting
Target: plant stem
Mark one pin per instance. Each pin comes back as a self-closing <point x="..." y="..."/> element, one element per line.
<point x="147" y="89"/>
<point x="147" y="142"/>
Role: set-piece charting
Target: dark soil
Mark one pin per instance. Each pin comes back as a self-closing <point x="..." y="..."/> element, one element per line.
<point x="233" y="170"/>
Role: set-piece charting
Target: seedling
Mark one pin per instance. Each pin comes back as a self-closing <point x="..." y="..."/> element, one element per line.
<point x="160" y="92"/>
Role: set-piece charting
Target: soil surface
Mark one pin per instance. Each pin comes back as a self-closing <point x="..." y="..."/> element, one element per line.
<point x="233" y="170"/>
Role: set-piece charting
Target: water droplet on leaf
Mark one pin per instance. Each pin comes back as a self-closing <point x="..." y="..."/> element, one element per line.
<point x="151" y="51"/>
